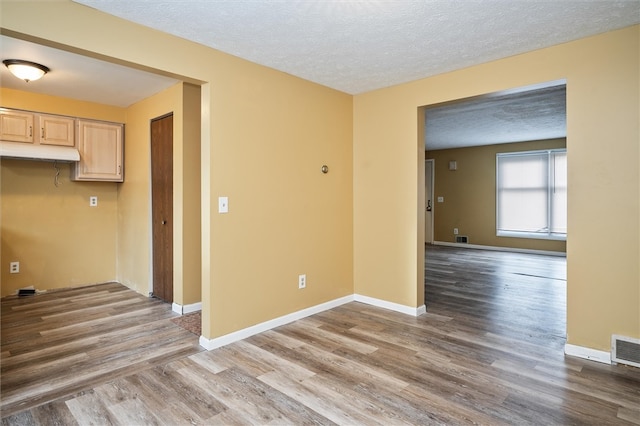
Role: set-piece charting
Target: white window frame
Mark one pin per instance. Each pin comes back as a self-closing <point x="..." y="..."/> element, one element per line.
<point x="550" y="170"/>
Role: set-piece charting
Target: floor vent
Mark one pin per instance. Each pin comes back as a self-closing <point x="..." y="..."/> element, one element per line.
<point x="462" y="239"/>
<point x="26" y="292"/>
<point x="625" y="350"/>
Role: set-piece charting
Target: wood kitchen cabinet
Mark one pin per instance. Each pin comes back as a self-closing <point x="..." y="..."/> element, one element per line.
<point x="16" y="126"/>
<point x="43" y="129"/>
<point x="55" y="130"/>
<point x="99" y="143"/>
<point x="101" y="151"/>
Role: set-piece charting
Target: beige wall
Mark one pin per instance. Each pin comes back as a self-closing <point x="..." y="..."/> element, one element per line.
<point x="265" y="135"/>
<point x="603" y="287"/>
<point x="190" y="241"/>
<point x="58" y="239"/>
<point x="19" y="99"/>
<point x="270" y="136"/>
<point x="470" y="195"/>
<point x="134" y="195"/>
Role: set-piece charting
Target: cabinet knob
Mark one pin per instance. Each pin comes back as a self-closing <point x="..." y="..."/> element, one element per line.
<point x="164" y="222"/>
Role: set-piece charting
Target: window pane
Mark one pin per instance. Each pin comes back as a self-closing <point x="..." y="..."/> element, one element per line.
<point x="522" y="192"/>
<point x="532" y="192"/>
<point x="527" y="171"/>
<point x="559" y="193"/>
<point x="524" y="211"/>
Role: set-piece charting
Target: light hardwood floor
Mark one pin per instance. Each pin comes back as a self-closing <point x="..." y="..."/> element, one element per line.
<point x="488" y="351"/>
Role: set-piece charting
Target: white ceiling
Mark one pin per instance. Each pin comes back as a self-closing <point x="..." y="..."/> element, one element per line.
<point x="349" y="45"/>
<point x="79" y="77"/>
<point x="356" y="46"/>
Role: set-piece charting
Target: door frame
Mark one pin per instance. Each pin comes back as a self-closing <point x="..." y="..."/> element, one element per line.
<point x="429" y="224"/>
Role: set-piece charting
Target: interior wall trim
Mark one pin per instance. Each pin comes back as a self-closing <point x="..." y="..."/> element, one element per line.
<point x="390" y="305"/>
<point x="227" y="339"/>
<point x="496" y="248"/>
<point x="186" y="309"/>
<point x="587" y="353"/>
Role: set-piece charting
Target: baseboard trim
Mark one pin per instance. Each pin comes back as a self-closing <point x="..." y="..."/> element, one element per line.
<point x="186" y="309"/>
<point x="587" y="353"/>
<point x="227" y="339"/>
<point x="496" y="248"/>
<point x="390" y="305"/>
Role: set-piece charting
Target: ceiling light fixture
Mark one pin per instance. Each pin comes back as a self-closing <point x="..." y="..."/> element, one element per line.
<point x="25" y="70"/>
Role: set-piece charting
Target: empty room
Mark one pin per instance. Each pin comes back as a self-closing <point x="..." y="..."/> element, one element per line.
<point x="216" y="213"/>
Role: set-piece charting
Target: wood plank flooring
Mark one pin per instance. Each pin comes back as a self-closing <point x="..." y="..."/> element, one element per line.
<point x="488" y="351"/>
<point x="58" y="343"/>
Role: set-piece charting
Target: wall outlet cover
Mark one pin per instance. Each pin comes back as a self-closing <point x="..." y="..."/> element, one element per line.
<point x="223" y="204"/>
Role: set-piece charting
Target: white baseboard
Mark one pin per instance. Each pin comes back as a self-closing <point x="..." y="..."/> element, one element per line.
<point x="186" y="309"/>
<point x="496" y="248"/>
<point x="391" y="305"/>
<point x="587" y="353"/>
<point x="227" y="339"/>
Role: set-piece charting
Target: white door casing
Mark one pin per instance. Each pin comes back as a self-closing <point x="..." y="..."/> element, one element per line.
<point x="428" y="215"/>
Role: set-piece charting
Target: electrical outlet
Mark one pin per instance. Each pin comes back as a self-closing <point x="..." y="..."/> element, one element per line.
<point x="14" y="267"/>
<point x="455" y="231"/>
<point x="302" y="281"/>
<point x="93" y="201"/>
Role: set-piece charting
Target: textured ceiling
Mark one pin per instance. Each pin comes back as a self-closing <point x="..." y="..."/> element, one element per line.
<point x="524" y="115"/>
<point x="358" y="46"/>
<point x="353" y="46"/>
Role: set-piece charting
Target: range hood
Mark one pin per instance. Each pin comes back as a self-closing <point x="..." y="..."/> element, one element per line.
<point x="29" y="151"/>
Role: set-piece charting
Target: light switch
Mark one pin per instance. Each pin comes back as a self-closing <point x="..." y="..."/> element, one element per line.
<point x="223" y="204"/>
<point x="441" y="199"/>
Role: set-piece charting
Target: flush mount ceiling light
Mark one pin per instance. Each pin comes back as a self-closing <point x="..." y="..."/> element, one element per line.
<point x="25" y="70"/>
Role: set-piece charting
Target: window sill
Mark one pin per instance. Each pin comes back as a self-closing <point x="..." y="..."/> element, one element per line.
<point x="532" y="235"/>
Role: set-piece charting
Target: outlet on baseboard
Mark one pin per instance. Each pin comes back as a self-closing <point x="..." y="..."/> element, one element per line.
<point x="302" y="281"/>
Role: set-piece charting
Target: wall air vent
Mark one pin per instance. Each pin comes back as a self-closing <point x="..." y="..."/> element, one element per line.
<point x="625" y="350"/>
<point x="462" y="239"/>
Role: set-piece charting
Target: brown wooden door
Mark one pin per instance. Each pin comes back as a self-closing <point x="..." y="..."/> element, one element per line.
<point x="162" y="206"/>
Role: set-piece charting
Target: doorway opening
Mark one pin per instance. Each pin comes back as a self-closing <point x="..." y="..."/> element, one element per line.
<point x="462" y="138"/>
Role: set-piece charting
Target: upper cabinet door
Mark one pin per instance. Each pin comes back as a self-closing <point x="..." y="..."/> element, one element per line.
<point x="100" y="145"/>
<point x="56" y="130"/>
<point x="16" y="126"/>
